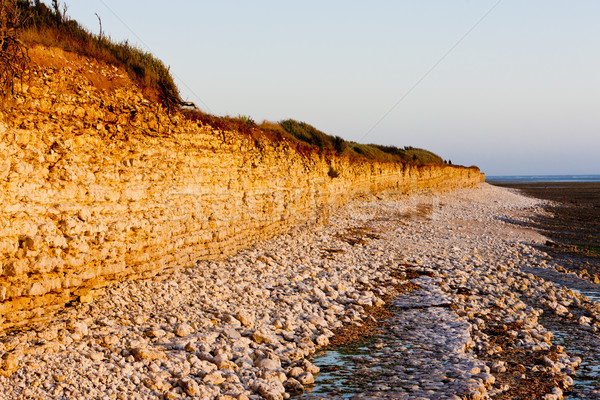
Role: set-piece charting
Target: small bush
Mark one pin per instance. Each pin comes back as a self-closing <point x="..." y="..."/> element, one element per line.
<point x="307" y="133"/>
<point x="333" y="173"/>
<point x="357" y="149"/>
<point x="339" y="144"/>
<point x="207" y="119"/>
<point x="13" y="53"/>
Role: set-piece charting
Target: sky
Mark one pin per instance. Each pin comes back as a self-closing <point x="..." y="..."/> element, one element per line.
<point x="511" y="86"/>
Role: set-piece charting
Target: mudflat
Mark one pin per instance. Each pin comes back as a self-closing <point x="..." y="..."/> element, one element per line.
<point x="572" y="222"/>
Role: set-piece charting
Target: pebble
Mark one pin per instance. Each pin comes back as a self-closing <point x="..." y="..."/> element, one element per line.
<point x="245" y="327"/>
<point x="183" y="330"/>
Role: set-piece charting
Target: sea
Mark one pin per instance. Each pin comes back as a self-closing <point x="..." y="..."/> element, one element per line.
<point x="541" y="178"/>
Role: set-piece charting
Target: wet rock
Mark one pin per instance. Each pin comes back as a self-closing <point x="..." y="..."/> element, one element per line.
<point x="306" y="378"/>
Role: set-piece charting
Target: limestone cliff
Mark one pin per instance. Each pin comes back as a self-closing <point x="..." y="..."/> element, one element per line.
<point x="99" y="184"/>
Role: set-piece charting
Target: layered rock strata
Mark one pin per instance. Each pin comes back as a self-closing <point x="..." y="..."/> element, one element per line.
<point x="98" y="184"/>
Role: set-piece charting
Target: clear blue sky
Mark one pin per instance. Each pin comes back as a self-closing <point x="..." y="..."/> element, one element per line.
<point x="519" y="95"/>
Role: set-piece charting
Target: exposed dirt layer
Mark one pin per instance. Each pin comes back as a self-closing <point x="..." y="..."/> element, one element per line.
<point x="101" y="75"/>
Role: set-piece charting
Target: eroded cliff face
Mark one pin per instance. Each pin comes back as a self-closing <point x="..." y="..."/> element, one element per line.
<point x="98" y="184"/>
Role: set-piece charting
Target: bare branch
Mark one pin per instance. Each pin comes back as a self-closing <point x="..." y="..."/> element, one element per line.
<point x="13" y="53"/>
<point x="100" y="22"/>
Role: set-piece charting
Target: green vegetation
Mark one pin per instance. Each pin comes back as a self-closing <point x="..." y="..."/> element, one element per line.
<point x="309" y="139"/>
<point x="409" y="153"/>
<point x="309" y="134"/>
<point x="589" y="248"/>
<point x="246" y="119"/>
<point x="41" y="25"/>
<point x="324" y="142"/>
<point x="27" y="22"/>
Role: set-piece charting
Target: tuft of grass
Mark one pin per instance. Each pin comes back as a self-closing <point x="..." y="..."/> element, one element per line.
<point x="339" y="145"/>
<point x="246" y="119"/>
<point x="53" y="28"/>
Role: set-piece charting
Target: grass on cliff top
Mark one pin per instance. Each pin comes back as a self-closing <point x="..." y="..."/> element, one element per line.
<point x="308" y="139"/>
<point x="324" y="142"/>
<point x="53" y="28"/>
<point x="38" y="24"/>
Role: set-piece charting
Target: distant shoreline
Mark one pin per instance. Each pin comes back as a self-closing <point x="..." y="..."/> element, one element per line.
<point x="573" y="222"/>
<point x="504" y="179"/>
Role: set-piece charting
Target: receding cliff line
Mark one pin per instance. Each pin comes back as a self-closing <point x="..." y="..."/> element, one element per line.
<point x="99" y="184"/>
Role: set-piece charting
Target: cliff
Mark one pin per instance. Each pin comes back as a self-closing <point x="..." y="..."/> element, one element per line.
<point x="99" y="184"/>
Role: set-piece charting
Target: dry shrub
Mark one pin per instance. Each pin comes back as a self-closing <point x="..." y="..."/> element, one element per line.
<point x="13" y="53"/>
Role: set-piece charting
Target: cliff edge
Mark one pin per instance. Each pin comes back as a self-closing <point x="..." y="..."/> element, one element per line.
<point x="100" y="184"/>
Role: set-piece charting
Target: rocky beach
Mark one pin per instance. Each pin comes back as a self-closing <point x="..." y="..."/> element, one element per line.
<point x="152" y="248"/>
<point x="454" y="273"/>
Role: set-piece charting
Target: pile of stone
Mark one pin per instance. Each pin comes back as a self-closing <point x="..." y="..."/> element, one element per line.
<point x="246" y="327"/>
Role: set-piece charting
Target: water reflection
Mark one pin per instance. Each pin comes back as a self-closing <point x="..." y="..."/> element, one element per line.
<point x="577" y="340"/>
